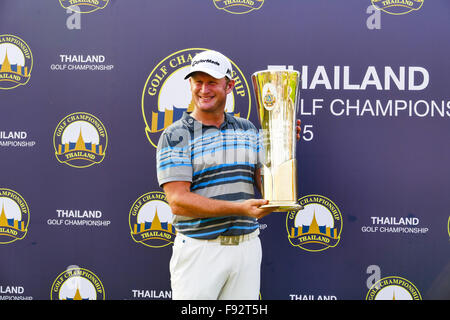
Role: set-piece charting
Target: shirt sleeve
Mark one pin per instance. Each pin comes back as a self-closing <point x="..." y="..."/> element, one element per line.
<point x="173" y="157"/>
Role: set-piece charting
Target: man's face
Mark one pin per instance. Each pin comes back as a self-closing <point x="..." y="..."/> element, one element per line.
<point x="208" y="93"/>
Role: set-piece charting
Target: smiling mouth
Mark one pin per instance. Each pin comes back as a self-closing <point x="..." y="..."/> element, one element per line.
<point x="206" y="99"/>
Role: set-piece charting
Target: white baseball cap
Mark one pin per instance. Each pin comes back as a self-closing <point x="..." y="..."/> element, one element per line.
<point x="211" y="62"/>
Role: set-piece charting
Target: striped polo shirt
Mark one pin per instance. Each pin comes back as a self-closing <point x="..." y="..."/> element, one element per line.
<point x="220" y="164"/>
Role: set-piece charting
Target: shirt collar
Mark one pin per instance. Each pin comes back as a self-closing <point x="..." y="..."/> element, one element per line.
<point x="189" y="121"/>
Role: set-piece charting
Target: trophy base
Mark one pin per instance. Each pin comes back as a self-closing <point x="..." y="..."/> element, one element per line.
<point x="283" y="206"/>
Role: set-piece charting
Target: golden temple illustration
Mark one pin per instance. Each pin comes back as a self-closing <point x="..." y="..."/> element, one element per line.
<point x="11" y="223"/>
<point x="77" y="296"/>
<point x="15" y="68"/>
<point x="80" y="145"/>
<point x="313" y="228"/>
<point x="155" y="225"/>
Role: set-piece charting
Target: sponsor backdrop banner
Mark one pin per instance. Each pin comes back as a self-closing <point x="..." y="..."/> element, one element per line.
<point x="87" y="86"/>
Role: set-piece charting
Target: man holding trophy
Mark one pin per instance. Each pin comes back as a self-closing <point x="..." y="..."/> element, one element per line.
<point x="208" y="164"/>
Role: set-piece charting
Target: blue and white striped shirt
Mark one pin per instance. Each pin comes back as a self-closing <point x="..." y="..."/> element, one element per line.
<point x="220" y="163"/>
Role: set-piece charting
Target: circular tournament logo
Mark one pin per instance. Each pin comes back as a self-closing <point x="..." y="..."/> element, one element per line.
<point x="167" y="94"/>
<point x="16" y="62"/>
<point x="77" y="284"/>
<point x="238" y="6"/>
<point x="316" y="227"/>
<point x="150" y="220"/>
<point x="84" y="6"/>
<point x="393" y="288"/>
<point x="14" y="216"/>
<point x="80" y="140"/>
<point x="397" y="7"/>
<point x="448" y="226"/>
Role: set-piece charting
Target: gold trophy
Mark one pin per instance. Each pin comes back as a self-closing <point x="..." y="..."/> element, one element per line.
<point x="276" y="91"/>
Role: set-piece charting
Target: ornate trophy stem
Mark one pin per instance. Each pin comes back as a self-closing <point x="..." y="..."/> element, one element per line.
<point x="276" y="91"/>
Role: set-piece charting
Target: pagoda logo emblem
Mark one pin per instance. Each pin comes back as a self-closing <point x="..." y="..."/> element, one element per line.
<point x="80" y="140"/>
<point x="238" y="6"/>
<point x="166" y="94"/>
<point x="317" y="227"/>
<point x="448" y="226"/>
<point x="393" y="288"/>
<point x="397" y="7"/>
<point x="150" y="220"/>
<point x="77" y="284"/>
<point x="84" y="6"/>
<point x="14" y="216"/>
<point x="16" y="62"/>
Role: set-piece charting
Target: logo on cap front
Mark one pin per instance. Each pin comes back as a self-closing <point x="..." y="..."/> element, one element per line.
<point x="194" y="63"/>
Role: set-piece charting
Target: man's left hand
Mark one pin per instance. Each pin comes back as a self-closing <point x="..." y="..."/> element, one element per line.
<point x="299" y="129"/>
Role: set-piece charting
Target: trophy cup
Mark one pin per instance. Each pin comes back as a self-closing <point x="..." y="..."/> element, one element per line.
<point x="276" y="91"/>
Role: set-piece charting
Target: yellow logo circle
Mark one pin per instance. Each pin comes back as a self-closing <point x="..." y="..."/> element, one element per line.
<point x="317" y="227"/>
<point x="393" y="288"/>
<point x="14" y="216"/>
<point x="238" y="6"/>
<point x="397" y="7"/>
<point x="84" y="6"/>
<point x="16" y="61"/>
<point x="77" y="284"/>
<point x="80" y="140"/>
<point x="150" y="220"/>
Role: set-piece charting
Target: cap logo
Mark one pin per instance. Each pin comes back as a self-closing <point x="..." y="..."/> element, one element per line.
<point x="205" y="61"/>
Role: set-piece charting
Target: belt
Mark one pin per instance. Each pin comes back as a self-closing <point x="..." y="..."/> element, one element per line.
<point x="223" y="240"/>
<point x="234" y="240"/>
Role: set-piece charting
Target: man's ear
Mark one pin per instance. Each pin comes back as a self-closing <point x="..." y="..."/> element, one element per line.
<point x="230" y="86"/>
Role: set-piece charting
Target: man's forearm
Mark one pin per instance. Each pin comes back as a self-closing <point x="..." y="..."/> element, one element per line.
<point x="192" y="205"/>
<point x="183" y="202"/>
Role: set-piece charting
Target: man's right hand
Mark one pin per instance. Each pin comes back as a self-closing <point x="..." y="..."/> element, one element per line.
<point x="252" y="208"/>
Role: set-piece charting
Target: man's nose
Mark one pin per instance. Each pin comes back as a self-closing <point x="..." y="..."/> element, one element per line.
<point x="204" y="87"/>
